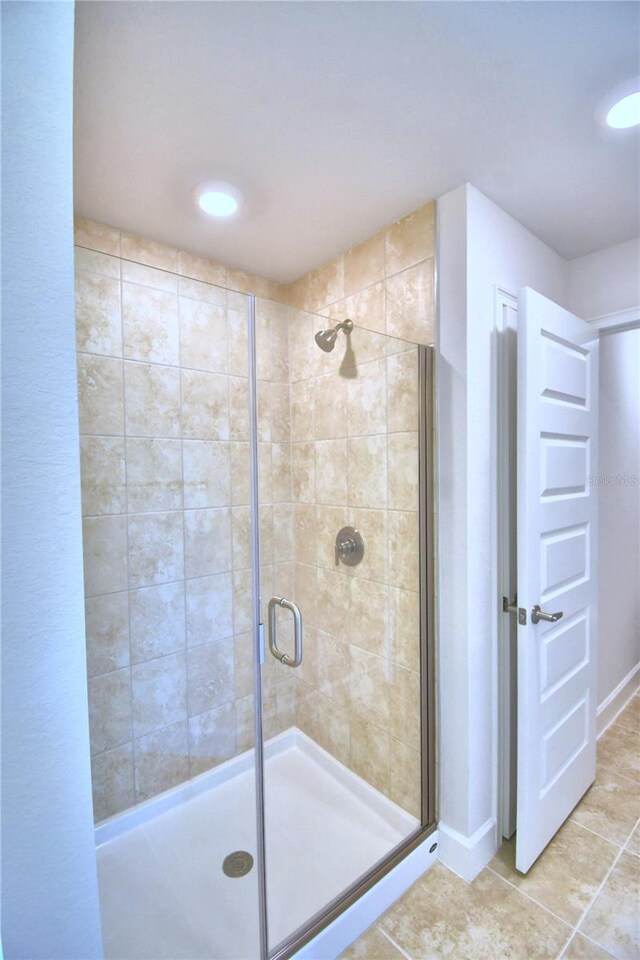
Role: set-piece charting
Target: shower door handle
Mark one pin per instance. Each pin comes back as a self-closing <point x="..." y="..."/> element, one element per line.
<point x="297" y="629"/>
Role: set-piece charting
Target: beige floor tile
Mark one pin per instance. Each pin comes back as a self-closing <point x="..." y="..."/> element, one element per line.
<point x="619" y="750"/>
<point x="630" y="716"/>
<point x="611" y="807"/>
<point x="614" y="919"/>
<point x="566" y="875"/>
<point x="372" y="945"/>
<point x="633" y="844"/>
<point x="442" y="916"/>
<point x="582" y="949"/>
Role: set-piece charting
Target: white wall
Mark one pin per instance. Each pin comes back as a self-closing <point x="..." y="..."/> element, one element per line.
<point x="454" y="679"/>
<point x="605" y="282"/>
<point x="479" y="246"/>
<point x="50" y="903"/>
<point x="619" y="509"/>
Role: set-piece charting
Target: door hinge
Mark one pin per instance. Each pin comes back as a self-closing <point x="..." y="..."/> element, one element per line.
<point x="514" y="608"/>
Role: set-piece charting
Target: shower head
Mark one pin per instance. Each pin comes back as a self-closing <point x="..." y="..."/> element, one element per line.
<point x="326" y="339"/>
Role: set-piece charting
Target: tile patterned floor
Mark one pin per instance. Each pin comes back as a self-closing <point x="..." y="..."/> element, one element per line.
<point x="579" y="901"/>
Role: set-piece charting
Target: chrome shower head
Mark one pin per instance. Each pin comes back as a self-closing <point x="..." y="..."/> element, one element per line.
<point x="326" y="339"/>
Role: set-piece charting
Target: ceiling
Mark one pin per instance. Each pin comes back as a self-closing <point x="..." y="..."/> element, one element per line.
<point x="336" y="118"/>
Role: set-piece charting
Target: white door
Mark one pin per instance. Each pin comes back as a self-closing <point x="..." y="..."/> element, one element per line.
<point x="557" y="455"/>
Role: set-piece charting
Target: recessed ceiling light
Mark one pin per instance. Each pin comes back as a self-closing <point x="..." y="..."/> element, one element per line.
<point x="620" y="108"/>
<point x="218" y="199"/>
<point x="217" y="203"/>
<point x="625" y="113"/>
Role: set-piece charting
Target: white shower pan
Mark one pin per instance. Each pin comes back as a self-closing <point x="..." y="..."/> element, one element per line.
<point x="164" y="895"/>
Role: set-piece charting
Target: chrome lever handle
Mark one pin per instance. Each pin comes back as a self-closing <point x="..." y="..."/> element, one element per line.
<point x="284" y="658"/>
<point x="537" y="614"/>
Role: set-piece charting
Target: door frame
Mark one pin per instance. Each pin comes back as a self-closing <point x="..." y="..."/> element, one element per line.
<point x="504" y="572"/>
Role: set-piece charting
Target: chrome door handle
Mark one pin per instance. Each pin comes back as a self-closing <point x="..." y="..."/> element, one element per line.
<point x="297" y="628"/>
<point x="537" y="614"/>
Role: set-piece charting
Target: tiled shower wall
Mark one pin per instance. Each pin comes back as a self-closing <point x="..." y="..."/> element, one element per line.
<point x="164" y="421"/>
<point x="169" y="649"/>
<point x="355" y="460"/>
<point x="385" y="284"/>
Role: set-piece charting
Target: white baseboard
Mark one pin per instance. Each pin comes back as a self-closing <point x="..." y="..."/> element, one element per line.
<point x="617" y="699"/>
<point x="467" y="856"/>
<point x="346" y="928"/>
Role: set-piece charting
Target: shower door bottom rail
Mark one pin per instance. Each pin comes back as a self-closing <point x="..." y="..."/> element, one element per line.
<point x="289" y="947"/>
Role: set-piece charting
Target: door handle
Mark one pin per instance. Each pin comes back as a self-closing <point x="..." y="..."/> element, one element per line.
<point x="537" y="614"/>
<point x="288" y="661"/>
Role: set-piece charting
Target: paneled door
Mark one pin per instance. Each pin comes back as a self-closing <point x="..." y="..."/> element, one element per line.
<point x="557" y="587"/>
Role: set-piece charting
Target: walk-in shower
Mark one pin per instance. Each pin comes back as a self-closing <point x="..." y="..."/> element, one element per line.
<point x="258" y="549"/>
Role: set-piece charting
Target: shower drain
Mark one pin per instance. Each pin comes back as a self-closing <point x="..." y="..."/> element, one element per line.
<point x="237" y="864"/>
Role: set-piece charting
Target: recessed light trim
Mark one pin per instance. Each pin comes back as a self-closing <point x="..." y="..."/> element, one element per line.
<point x="625" y="113"/>
<point x="219" y="200"/>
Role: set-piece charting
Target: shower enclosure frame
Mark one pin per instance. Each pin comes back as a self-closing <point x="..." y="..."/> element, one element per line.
<point x="425" y="357"/>
<point x="427" y="541"/>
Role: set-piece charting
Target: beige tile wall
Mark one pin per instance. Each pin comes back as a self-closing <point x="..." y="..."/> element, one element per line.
<point x="354" y="453"/>
<point x="385" y="284"/>
<point x="164" y="424"/>
<point x="354" y="460"/>
<point x="164" y="420"/>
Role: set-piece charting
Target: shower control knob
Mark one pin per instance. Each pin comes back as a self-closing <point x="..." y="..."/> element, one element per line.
<point x="349" y="547"/>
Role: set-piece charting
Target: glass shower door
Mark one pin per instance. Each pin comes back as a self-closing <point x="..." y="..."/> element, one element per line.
<point x="341" y="459"/>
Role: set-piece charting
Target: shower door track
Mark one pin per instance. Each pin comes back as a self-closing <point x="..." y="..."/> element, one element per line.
<point x="287" y="948"/>
<point x="317" y="924"/>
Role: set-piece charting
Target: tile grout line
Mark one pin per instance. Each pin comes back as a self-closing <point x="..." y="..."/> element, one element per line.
<point x="235" y="507"/>
<point x="574" y="934"/>
<point x="600" y="835"/>
<point x="620" y="721"/>
<point x="576" y="928"/>
<point x="167" y="726"/>
<point x="530" y="898"/>
<point x="164" y="583"/>
<point x="220" y="374"/>
<point x="626" y="845"/>
<point x="580" y="933"/>
<point x="391" y="940"/>
<point x="153" y="513"/>
<point x="126" y="498"/>
<point x="597" y="893"/>
<point x="605" y="766"/>
<point x="233" y="439"/>
<point x="184" y="533"/>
